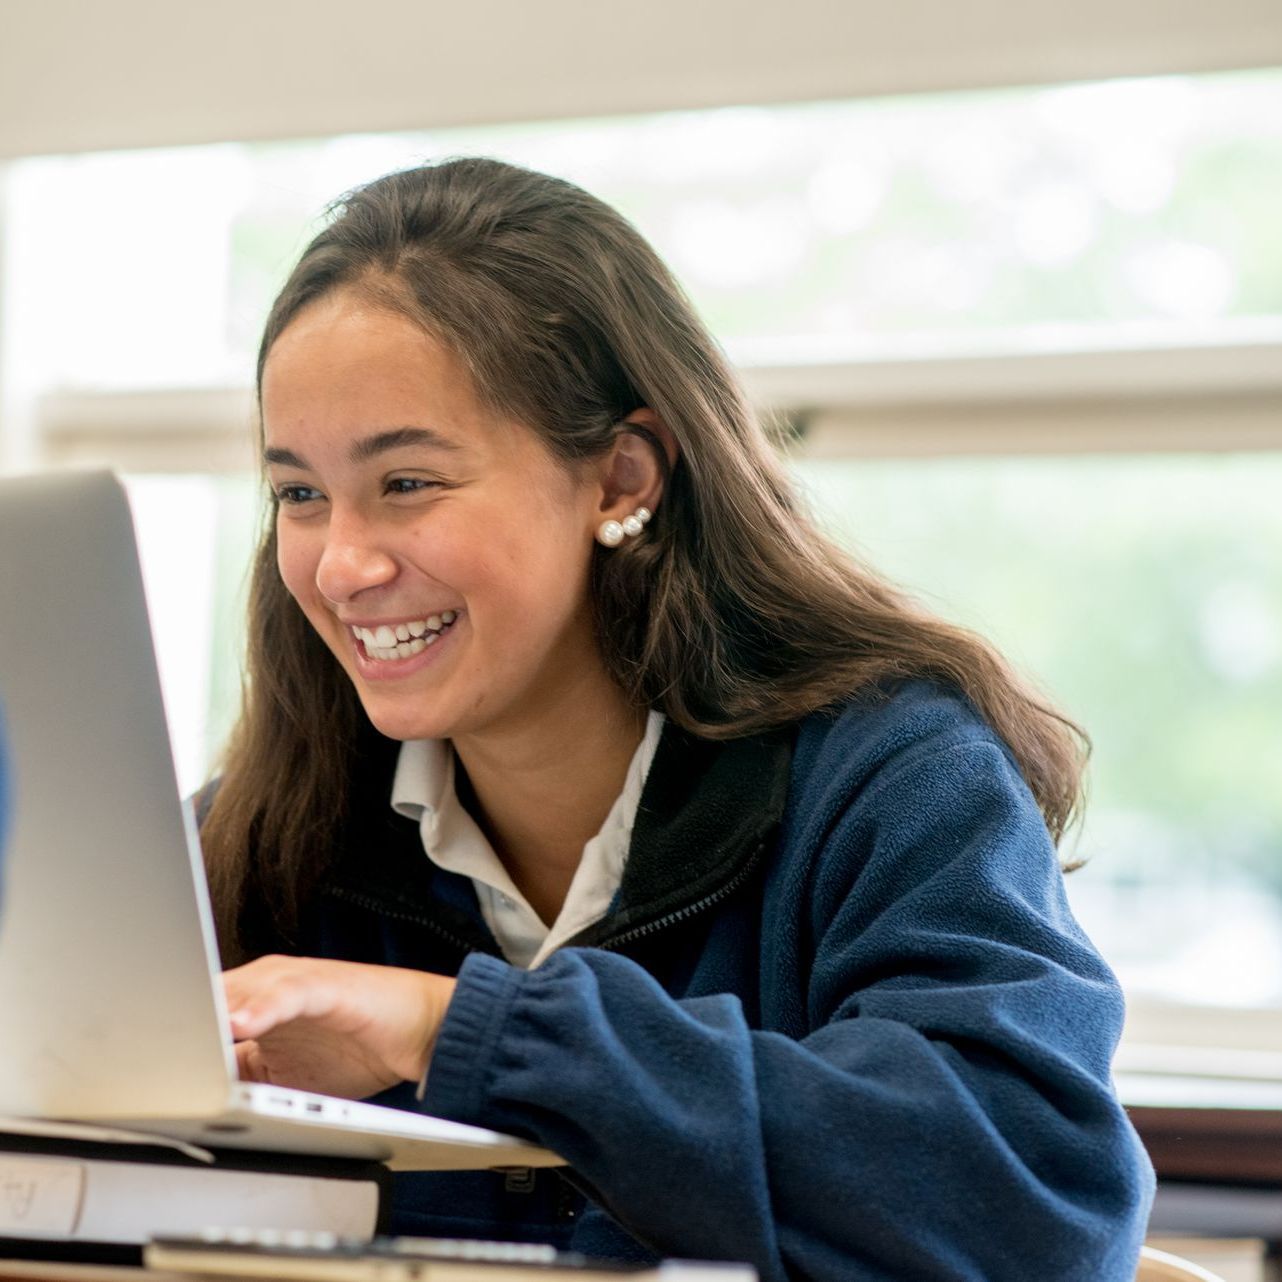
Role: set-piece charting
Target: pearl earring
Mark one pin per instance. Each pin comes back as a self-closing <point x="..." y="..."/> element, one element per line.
<point x="612" y="533"/>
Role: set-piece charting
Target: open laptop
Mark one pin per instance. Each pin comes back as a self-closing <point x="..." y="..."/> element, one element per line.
<point x="111" y="1006"/>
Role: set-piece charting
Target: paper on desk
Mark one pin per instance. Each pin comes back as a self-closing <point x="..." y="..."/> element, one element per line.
<point x="89" y="1134"/>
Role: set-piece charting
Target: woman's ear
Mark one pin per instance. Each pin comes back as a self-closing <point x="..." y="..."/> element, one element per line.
<point x="660" y="434"/>
<point x="637" y="467"/>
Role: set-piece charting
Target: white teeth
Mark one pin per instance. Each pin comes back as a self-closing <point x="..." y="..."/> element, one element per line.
<point x="387" y="642"/>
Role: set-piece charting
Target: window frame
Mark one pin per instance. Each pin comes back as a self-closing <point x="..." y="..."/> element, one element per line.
<point x="1055" y="392"/>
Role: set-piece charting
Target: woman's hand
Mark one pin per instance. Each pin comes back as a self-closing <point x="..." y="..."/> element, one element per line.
<point x="338" y="1028"/>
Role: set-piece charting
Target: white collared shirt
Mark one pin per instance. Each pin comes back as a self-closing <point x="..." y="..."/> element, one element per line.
<point x="423" y="790"/>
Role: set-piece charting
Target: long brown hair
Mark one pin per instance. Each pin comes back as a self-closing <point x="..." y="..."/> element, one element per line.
<point x="732" y="614"/>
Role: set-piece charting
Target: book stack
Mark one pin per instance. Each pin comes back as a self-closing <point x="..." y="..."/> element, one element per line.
<point x="87" y="1193"/>
<point x="77" y="1202"/>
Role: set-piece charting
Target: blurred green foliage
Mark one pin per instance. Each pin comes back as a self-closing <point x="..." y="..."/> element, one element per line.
<point x="1127" y="201"/>
<point x="1144" y="594"/>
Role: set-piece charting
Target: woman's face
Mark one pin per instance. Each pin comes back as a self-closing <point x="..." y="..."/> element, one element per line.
<point x="440" y="552"/>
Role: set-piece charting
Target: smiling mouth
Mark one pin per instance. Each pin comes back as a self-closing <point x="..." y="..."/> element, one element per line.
<point x="404" y="640"/>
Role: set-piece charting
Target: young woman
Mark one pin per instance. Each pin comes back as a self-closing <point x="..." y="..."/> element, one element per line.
<point x="585" y="791"/>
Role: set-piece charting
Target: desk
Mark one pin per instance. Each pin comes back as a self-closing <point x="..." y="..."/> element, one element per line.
<point x="45" y="1271"/>
<point x="1216" y="1145"/>
<point x="56" y="1271"/>
<point x="1226" y="1130"/>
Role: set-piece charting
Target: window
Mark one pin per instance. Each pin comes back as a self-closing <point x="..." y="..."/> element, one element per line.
<point x="1005" y="220"/>
<point x="853" y="257"/>
<point x="1146" y="596"/>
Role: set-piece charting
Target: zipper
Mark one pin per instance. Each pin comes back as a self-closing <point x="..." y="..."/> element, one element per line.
<point x="414" y="919"/>
<point x="609" y="944"/>
<point x="689" y="910"/>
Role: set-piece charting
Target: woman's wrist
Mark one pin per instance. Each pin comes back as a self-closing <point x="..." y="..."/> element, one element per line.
<point x="436" y="992"/>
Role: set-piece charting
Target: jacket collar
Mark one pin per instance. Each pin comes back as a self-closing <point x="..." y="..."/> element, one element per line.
<point x="707" y="814"/>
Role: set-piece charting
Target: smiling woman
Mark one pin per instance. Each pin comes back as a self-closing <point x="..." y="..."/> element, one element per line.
<point x="378" y="531"/>
<point x="584" y="790"/>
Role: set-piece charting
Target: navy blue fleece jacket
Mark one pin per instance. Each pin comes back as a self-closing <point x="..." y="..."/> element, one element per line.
<point x="839" y="1024"/>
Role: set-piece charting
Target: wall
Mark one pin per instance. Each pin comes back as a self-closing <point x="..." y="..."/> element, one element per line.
<point x="133" y="73"/>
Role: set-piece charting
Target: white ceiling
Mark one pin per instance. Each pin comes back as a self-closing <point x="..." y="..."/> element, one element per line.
<point x="90" y="74"/>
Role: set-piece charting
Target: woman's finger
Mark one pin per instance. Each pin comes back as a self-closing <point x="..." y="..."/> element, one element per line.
<point x="264" y="999"/>
<point x="249" y="1062"/>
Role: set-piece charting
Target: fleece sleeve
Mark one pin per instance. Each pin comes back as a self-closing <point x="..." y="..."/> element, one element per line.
<point x="942" y="1109"/>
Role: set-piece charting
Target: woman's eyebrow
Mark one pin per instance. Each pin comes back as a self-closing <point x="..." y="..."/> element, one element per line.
<point x="369" y="447"/>
<point x="282" y="458"/>
<point x="396" y="438"/>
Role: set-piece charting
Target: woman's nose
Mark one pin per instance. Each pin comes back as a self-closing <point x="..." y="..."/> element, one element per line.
<point x="354" y="559"/>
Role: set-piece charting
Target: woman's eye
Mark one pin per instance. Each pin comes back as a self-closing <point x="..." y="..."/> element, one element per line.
<point x="410" y="484"/>
<point x="296" y="494"/>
